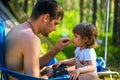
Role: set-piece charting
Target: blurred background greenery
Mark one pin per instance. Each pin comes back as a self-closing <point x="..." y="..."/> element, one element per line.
<point x="76" y="11"/>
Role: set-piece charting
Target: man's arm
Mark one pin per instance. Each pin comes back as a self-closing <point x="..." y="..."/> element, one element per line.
<point x="31" y="53"/>
<point x="67" y="62"/>
<point x="50" y="55"/>
<point x="31" y="50"/>
<point x="70" y="61"/>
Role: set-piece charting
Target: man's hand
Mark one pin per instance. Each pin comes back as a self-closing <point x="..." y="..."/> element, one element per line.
<point x="62" y="43"/>
<point x="56" y="65"/>
<point x="47" y="71"/>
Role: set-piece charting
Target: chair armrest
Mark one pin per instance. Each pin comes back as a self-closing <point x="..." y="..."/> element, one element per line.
<point x="18" y="75"/>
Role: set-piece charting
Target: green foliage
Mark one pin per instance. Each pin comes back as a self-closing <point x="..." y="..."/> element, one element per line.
<point x="71" y="18"/>
<point x="65" y="27"/>
<point x="61" y="56"/>
<point x="69" y="50"/>
<point x="47" y="45"/>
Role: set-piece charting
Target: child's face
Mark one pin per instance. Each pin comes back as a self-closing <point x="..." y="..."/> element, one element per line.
<point x="77" y="40"/>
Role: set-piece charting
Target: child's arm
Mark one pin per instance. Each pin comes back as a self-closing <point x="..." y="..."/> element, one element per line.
<point x="89" y="67"/>
<point x="66" y="62"/>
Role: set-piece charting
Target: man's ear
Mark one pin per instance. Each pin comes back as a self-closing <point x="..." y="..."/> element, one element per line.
<point x="46" y="17"/>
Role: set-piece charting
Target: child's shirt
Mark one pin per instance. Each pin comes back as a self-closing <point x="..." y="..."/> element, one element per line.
<point x="81" y="56"/>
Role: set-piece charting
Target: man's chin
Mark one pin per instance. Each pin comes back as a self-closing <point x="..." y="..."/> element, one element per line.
<point x="46" y="35"/>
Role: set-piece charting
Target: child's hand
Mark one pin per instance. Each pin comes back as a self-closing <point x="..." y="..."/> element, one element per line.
<point x="49" y="72"/>
<point x="74" y="75"/>
<point x="56" y="65"/>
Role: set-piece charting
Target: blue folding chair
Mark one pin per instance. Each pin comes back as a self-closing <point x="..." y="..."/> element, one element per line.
<point x="103" y="71"/>
<point x="17" y="75"/>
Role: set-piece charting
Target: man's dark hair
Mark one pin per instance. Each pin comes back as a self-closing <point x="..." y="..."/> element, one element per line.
<point x="51" y="7"/>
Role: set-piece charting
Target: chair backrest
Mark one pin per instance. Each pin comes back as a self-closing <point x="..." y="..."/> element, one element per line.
<point x="53" y="61"/>
<point x="2" y="37"/>
<point x="100" y="64"/>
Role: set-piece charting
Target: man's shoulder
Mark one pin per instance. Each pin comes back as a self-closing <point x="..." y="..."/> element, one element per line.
<point x="21" y="33"/>
<point x="29" y="37"/>
<point x="25" y="33"/>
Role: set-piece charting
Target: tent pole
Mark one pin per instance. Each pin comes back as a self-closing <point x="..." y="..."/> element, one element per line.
<point x="107" y="21"/>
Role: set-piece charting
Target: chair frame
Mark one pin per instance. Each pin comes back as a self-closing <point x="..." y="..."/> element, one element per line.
<point x="103" y="71"/>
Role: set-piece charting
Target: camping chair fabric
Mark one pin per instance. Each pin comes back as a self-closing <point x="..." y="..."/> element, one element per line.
<point x="17" y="75"/>
<point x="2" y="37"/>
<point x="101" y="66"/>
<point x="53" y="61"/>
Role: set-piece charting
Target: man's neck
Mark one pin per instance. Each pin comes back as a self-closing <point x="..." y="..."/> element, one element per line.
<point x="31" y="26"/>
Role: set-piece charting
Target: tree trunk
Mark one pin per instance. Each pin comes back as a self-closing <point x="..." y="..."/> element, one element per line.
<point x="116" y="27"/>
<point x="5" y="2"/>
<point x="94" y="12"/>
<point x="65" y="4"/>
<point x="25" y="8"/>
<point x="81" y="10"/>
<point x="102" y="11"/>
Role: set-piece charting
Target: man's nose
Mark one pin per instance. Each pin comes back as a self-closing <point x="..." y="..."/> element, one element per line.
<point x="54" y="28"/>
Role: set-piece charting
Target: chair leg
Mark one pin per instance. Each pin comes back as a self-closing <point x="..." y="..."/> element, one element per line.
<point x="110" y="77"/>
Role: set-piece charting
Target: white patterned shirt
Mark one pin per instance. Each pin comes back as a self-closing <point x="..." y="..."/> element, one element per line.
<point x="81" y="56"/>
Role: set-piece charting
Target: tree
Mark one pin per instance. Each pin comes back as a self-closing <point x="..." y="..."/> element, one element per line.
<point x="116" y="27"/>
<point x="5" y="2"/>
<point x="116" y="31"/>
<point x="81" y="10"/>
<point x="94" y="12"/>
<point x="25" y="8"/>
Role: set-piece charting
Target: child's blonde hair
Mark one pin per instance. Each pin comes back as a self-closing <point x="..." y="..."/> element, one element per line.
<point x="87" y="30"/>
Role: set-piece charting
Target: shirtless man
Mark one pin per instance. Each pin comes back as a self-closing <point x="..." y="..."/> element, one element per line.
<point x="22" y="46"/>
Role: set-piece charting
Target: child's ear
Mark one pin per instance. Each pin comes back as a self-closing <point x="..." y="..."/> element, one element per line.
<point x="85" y="39"/>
